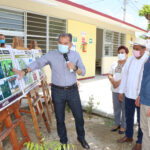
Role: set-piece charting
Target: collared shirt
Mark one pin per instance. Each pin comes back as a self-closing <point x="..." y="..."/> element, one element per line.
<point x="132" y="75"/>
<point x="145" y="85"/>
<point x="61" y="75"/>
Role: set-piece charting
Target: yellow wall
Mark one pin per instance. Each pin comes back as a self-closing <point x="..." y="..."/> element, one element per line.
<point x="89" y="57"/>
<point x="106" y="63"/>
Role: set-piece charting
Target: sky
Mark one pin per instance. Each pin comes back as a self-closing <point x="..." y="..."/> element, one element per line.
<point x="115" y="8"/>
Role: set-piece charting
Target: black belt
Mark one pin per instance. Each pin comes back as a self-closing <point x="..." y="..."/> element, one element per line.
<point x="64" y="87"/>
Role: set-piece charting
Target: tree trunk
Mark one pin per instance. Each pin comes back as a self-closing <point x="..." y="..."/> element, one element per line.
<point x="147" y="16"/>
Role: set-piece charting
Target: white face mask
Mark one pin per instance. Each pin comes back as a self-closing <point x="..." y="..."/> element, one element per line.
<point x="121" y="56"/>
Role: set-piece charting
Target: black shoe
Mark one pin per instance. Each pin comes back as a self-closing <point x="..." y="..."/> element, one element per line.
<point x="114" y="130"/>
<point x="121" y="132"/>
<point x="84" y="144"/>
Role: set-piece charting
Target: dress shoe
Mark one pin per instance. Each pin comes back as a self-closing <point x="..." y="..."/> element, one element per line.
<point x="84" y="143"/>
<point x="121" y="132"/>
<point x="115" y="129"/>
<point x="137" y="147"/>
<point x="125" y="139"/>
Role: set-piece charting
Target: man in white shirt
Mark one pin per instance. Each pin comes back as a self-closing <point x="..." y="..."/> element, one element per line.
<point x="130" y="86"/>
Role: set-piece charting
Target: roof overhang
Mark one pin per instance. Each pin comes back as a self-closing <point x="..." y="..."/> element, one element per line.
<point x="101" y="16"/>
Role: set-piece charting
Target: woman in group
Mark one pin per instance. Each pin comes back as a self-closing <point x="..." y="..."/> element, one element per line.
<point x="115" y="79"/>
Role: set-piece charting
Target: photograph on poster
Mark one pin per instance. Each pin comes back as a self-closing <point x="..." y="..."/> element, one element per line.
<point x="5" y="88"/>
<point x="37" y="54"/>
<point x="22" y="60"/>
<point x="1" y="72"/>
<point x="23" y="63"/>
<point x="13" y="84"/>
<point x="7" y="67"/>
<point x="10" y="90"/>
<point x="1" y="95"/>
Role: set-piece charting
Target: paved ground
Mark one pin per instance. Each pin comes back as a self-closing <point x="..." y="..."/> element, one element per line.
<point x="97" y="133"/>
<point x="97" y="128"/>
<point x="100" y="89"/>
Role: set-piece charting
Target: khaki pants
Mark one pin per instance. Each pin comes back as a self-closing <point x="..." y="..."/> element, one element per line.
<point x="145" y="126"/>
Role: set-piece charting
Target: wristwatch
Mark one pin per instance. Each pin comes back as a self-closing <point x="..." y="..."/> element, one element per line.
<point x="76" y="68"/>
<point x="25" y="70"/>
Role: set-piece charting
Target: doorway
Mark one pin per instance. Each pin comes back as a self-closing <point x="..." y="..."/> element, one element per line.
<point x="99" y="49"/>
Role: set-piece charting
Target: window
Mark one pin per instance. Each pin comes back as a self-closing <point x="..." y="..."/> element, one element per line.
<point x="36" y="30"/>
<point x="11" y="20"/>
<point x="11" y="24"/>
<point x="9" y="39"/>
<point x="30" y="26"/>
<point x="56" y="27"/>
<point x="112" y="40"/>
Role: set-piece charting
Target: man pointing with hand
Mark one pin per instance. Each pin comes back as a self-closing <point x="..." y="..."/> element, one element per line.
<point x="64" y="85"/>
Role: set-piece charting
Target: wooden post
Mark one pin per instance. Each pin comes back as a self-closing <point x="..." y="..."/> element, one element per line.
<point x="47" y="98"/>
<point x="36" y="111"/>
<point x="12" y="134"/>
<point x="34" y="118"/>
<point x="11" y="125"/>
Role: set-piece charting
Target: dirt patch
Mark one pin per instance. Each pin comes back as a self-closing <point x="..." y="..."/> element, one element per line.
<point x="97" y="133"/>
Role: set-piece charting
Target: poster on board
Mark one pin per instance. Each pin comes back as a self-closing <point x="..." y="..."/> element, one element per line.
<point x="10" y="90"/>
<point x="36" y="55"/>
<point x="22" y="59"/>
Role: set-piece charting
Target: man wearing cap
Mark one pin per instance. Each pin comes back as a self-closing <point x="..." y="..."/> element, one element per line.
<point x="130" y="86"/>
<point x="144" y="98"/>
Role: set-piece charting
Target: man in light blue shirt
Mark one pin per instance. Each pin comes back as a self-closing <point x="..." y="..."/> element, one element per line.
<point x="65" y="64"/>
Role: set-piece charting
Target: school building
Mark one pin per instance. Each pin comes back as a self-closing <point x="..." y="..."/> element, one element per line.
<point x="96" y="36"/>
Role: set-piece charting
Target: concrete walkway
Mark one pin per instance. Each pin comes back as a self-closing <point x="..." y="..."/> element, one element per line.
<point x="100" y="89"/>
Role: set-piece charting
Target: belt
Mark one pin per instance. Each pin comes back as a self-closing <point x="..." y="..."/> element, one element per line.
<point x="64" y="87"/>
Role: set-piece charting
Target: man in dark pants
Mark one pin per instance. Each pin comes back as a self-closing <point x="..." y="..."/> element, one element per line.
<point x="130" y="86"/>
<point x="64" y="85"/>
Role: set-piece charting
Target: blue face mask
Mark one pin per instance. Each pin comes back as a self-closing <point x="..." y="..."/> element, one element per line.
<point x="63" y="48"/>
<point x="2" y="41"/>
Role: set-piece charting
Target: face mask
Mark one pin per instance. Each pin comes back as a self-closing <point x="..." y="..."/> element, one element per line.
<point x="63" y="48"/>
<point x="121" y="56"/>
<point x="2" y="41"/>
<point x="136" y="53"/>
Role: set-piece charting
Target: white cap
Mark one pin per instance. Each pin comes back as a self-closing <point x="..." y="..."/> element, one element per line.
<point x="140" y="41"/>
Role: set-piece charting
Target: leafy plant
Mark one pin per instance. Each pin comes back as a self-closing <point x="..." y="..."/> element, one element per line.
<point x="145" y="10"/>
<point x="109" y="122"/>
<point x="48" y="146"/>
<point x="89" y="108"/>
<point x="148" y="27"/>
<point x="143" y="37"/>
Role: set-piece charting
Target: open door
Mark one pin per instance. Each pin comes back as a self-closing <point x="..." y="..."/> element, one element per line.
<point x="99" y="48"/>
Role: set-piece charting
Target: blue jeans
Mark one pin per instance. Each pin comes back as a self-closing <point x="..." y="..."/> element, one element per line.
<point x="59" y="98"/>
<point x="130" y="111"/>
